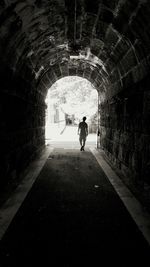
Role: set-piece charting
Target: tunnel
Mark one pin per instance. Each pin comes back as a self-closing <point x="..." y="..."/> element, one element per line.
<point x="105" y="42"/>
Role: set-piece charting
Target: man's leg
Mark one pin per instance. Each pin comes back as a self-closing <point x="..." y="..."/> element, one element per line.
<point x="84" y="139"/>
<point x="80" y="140"/>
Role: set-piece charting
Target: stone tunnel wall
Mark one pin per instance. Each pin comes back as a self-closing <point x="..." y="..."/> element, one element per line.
<point x="125" y="131"/>
<point x="22" y="133"/>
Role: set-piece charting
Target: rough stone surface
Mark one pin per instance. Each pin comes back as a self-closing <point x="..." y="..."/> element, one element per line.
<point x="125" y="131"/>
<point x="106" y="42"/>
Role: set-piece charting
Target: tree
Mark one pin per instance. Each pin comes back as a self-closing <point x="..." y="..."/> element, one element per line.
<point x="76" y="96"/>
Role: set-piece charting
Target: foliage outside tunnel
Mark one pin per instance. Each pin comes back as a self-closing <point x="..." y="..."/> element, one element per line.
<point x="68" y="100"/>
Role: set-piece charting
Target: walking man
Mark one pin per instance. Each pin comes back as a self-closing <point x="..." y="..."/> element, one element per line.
<point x="83" y="132"/>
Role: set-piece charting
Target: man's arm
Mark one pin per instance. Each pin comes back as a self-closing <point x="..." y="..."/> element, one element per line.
<point x="87" y="130"/>
<point x="79" y="129"/>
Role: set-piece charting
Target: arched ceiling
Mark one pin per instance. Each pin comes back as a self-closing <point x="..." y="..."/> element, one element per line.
<point x="101" y="40"/>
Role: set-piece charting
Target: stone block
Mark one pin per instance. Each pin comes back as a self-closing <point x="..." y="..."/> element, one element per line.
<point x="146" y="103"/>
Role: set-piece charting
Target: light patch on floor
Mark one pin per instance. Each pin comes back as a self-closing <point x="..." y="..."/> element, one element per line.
<point x="11" y="206"/>
<point x="134" y="207"/>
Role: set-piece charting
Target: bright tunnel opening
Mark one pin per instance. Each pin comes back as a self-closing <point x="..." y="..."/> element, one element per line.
<point x="68" y="100"/>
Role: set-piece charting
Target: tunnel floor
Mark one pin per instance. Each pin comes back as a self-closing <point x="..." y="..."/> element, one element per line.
<point x="72" y="216"/>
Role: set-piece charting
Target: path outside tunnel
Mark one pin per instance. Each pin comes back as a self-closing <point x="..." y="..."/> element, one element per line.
<point x="64" y="135"/>
<point x="72" y="216"/>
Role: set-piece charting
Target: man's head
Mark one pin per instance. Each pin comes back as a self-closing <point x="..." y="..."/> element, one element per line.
<point x="84" y="118"/>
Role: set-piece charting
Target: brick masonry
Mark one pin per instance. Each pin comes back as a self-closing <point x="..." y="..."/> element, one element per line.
<point x="106" y="42"/>
<point x="125" y="131"/>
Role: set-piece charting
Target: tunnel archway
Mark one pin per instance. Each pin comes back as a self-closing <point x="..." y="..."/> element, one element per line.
<point x="68" y="101"/>
<point x="106" y="42"/>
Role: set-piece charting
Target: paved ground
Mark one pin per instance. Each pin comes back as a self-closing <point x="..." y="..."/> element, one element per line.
<point x="72" y="216"/>
<point x="67" y="134"/>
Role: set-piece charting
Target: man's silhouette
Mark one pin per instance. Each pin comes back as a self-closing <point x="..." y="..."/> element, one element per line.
<point x="83" y="132"/>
